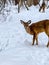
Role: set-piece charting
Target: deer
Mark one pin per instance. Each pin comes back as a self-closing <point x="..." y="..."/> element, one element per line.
<point x="47" y="3"/>
<point x="36" y="2"/>
<point x="42" y="7"/>
<point x="20" y="3"/>
<point x="36" y="28"/>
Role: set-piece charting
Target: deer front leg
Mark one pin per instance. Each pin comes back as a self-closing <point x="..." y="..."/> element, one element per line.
<point x="33" y="39"/>
<point x="48" y="42"/>
<point x="18" y="8"/>
<point x="43" y="9"/>
<point x="26" y="5"/>
<point x="19" y="5"/>
<point x="40" y="9"/>
<point x="36" y="40"/>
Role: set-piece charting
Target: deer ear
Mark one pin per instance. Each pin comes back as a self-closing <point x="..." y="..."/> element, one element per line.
<point x="21" y="21"/>
<point x="29" y="21"/>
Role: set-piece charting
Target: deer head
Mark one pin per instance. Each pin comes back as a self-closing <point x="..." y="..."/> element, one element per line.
<point x="26" y="25"/>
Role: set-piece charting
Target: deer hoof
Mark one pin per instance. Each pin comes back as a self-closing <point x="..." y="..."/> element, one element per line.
<point x="47" y="45"/>
<point x="36" y="43"/>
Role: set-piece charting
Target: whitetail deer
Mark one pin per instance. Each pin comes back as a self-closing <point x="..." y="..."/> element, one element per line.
<point x="20" y="2"/>
<point x="36" y="28"/>
<point x="47" y="3"/>
<point x="36" y="2"/>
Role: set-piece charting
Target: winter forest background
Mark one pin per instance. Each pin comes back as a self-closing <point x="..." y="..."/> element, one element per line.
<point x="15" y="43"/>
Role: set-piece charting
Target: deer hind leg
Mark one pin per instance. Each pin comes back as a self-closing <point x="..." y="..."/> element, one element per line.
<point x="36" y="40"/>
<point x="48" y="42"/>
<point x="33" y="40"/>
<point x="26" y="5"/>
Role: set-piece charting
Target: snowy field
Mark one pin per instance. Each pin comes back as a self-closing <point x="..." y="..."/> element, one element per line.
<point x="16" y="45"/>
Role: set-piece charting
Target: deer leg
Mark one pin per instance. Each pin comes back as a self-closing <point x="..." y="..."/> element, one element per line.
<point x="19" y="5"/>
<point x="40" y="8"/>
<point x="39" y="4"/>
<point x="33" y="39"/>
<point x="36" y="40"/>
<point x="43" y="9"/>
<point x="18" y="8"/>
<point x="48" y="42"/>
<point x="26" y="5"/>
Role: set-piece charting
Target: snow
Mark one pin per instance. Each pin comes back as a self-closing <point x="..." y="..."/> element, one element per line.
<point x="16" y="45"/>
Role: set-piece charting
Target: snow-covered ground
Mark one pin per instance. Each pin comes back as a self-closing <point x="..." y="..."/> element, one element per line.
<point x="16" y="45"/>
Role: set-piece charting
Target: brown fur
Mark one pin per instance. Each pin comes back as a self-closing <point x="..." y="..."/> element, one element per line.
<point x="29" y="2"/>
<point x="36" y="2"/>
<point x="33" y="2"/>
<point x="17" y="2"/>
<point x="36" y="28"/>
